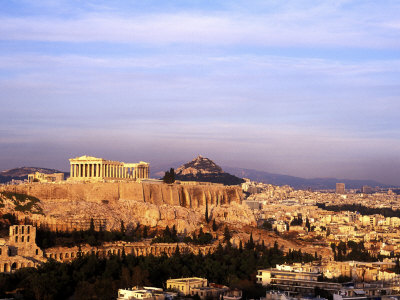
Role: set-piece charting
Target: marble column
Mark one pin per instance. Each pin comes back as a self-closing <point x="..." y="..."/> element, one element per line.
<point x="84" y="170"/>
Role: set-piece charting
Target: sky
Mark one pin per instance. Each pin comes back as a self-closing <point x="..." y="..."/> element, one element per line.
<point x="304" y="88"/>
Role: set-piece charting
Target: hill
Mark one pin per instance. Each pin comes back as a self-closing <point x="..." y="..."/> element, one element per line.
<point x="299" y="182"/>
<point x="22" y="173"/>
<point x="204" y="169"/>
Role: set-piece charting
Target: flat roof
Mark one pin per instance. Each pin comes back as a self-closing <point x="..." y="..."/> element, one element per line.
<point x="189" y="279"/>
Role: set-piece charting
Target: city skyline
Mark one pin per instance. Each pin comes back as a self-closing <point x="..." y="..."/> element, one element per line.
<point x="290" y="88"/>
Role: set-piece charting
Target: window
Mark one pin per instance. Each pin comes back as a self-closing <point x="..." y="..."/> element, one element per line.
<point x="22" y="230"/>
<point x="29" y="229"/>
<point x="16" y="229"/>
<point x="37" y="251"/>
<point x="16" y="239"/>
<point x="22" y="239"/>
<point x="27" y="239"/>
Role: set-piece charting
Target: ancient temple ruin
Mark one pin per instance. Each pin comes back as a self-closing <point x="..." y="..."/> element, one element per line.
<point x="93" y="168"/>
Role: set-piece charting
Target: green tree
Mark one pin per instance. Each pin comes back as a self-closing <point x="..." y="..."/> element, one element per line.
<point x="308" y="225"/>
<point x="227" y="235"/>
<point x="169" y="176"/>
<point x="91" y="228"/>
<point x="214" y="226"/>
<point x="122" y="227"/>
<point x="250" y="244"/>
<point x="206" y="213"/>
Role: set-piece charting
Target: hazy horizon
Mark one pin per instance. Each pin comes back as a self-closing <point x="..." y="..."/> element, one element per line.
<point x="297" y="88"/>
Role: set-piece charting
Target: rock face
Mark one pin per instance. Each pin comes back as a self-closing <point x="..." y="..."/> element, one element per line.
<point x="136" y="203"/>
<point x="190" y="196"/>
<point x="135" y="212"/>
<point x="204" y="169"/>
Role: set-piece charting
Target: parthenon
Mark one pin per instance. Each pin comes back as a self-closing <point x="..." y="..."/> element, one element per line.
<point x="93" y="168"/>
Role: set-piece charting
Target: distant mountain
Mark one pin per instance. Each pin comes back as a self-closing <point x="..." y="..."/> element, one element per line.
<point x="22" y="173"/>
<point x="204" y="169"/>
<point x="298" y="182"/>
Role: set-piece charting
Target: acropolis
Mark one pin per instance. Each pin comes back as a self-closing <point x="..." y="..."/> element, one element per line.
<point x="93" y="168"/>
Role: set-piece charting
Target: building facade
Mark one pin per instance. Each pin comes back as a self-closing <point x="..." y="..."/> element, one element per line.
<point x="289" y="280"/>
<point x="20" y="249"/>
<point x="93" y="168"/>
<point x="184" y="286"/>
<point x="340" y="188"/>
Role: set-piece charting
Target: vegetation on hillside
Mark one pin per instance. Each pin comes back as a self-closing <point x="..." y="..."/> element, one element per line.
<point x="351" y="251"/>
<point x="45" y="238"/>
<point x="90" y="277"/>
<point x="205" y="170"/>
<point x="23" y="203"/>
<point x="364" y="210"/>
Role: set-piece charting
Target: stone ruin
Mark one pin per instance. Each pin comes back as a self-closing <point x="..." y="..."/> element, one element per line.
<point x="19" y="250"/>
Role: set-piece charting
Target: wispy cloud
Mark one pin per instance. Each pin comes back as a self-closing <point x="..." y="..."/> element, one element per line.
<point x="305" y="28"/>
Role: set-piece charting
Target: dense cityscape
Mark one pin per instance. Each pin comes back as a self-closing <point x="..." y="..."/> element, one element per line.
<point x="252" y="240"/>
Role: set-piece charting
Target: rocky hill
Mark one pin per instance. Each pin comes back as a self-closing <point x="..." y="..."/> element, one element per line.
<point x="134" y="203"/>
<point x="205" y="170"/>
<point x="22" y="173"/>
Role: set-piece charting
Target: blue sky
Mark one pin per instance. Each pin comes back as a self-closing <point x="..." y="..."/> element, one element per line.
<point x="306" y="88"/>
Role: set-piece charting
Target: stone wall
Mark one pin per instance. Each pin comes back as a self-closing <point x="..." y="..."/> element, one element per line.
<point x="64" y="254"/>
<point x="19" y="250"/>
<point x="190" y="196"/>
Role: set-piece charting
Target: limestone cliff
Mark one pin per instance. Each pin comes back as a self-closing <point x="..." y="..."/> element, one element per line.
<point x="144" y="203"/>
<point x="190" y="196"/>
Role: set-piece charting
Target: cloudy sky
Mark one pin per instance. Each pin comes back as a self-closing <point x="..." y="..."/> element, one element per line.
<point x="305" y="88"/>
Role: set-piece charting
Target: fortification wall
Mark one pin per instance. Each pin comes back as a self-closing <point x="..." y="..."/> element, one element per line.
<point x="63" y="254"/>
<point x="190" y="196"/>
